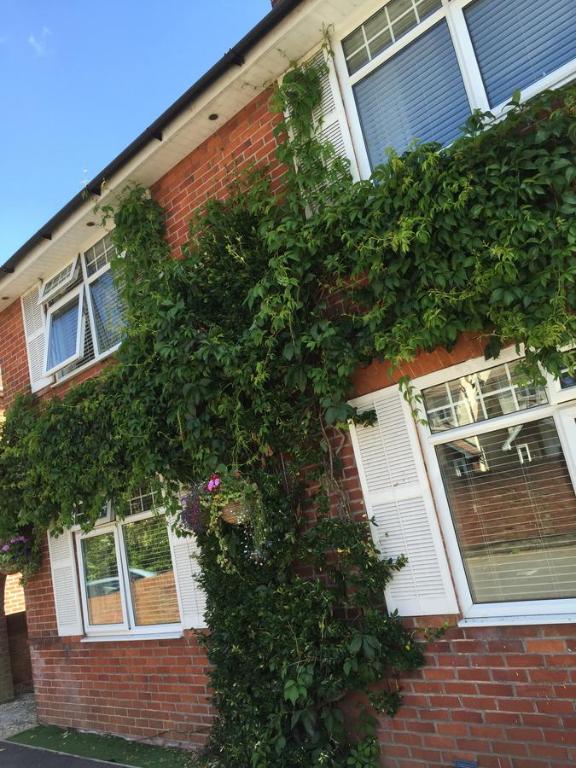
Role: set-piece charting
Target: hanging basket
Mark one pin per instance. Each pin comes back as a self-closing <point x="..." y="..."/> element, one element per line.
<point x="233" y="513"/>
<point x="9" y="569"/>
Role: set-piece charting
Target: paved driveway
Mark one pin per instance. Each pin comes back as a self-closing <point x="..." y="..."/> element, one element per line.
<point x="17" y="756"/>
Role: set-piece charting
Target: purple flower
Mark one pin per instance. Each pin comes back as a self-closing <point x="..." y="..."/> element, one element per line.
<point x="213" y="483"/>
<point x="5" y="548"/>
<point x="191" y="515"/>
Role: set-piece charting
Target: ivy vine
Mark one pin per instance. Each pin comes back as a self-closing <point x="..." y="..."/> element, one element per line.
<point x="239" y="354"/>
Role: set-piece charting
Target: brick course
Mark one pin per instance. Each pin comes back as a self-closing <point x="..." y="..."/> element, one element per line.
<point x="13" y="355"/>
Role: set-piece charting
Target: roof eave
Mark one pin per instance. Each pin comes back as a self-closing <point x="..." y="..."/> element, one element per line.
<point x="234" y="57"/>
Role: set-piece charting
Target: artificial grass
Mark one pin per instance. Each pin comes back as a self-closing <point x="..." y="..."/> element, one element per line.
<point x="111" y="748"/>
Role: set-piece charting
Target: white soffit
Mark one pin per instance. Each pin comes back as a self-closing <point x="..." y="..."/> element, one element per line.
<point x="289" y="41"/>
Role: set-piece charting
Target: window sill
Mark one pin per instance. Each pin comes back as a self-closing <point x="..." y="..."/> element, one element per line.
<point x="133" y="637"/>
<point x="514" y="621"/>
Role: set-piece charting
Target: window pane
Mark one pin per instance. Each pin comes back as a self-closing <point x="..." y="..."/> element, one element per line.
<point x="377" y="44"/>
<point x="485" y="395"/>
<point x="151" y="574"/>
<point x="417" y="94"/>
<point x="99" y="255"/>
<point x="143" y="501"/>
<point x="108" y="312"/>
<point x="387" y="26"/>
<point x="567" y="379"/>
<point x="60" y="281"/>
<point x="102" y="580"/>
<point x="520" y="41"/>
<point x="63" y="333"/>
<point x="514" y="510"/>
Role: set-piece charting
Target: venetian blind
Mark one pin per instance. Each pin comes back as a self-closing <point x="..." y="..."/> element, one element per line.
<point x="416" y="94"/>
<point x="518" y="42"/>
<point x="514" y="511"/>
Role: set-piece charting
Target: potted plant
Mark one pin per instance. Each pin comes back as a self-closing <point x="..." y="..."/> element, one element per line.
<point x="226" y="496"/>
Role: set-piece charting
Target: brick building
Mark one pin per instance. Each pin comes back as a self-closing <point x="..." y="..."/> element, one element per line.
<point x="498" y="566"/>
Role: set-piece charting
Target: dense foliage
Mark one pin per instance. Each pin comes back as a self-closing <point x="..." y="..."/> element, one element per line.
<point x="240" y="354"/>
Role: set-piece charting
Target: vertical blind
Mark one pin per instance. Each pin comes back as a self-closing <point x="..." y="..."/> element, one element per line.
<point x="417" y="94"/>
<point x="514" y="510"/>
<point x="518" y="42"/>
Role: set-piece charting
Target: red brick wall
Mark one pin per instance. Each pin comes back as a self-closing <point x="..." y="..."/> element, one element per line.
<point x="502" y="695"/>
<point x="244" y="141"/>
<point x="13" y="356"/>
<point x="149" y="689"/>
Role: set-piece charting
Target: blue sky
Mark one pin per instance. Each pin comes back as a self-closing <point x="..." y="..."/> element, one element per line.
<point x="79" y="80"/>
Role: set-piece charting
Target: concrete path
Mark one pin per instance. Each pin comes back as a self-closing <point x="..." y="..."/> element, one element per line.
<point x="17" y="716"/>
<point x="17" y="756"/>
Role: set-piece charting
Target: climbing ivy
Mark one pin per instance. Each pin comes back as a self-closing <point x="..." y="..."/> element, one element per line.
<point x="239" y="355"/>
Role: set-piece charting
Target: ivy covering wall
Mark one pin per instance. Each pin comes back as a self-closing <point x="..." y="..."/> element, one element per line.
<point x="239" y="356"/>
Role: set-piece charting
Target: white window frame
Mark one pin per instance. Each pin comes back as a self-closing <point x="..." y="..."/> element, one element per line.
<point x="557" y="393"/>
<point x="88" y="280"/>
<point x="45" y="295"/>
<point x="453" y="12"/>
<point x="84" y="289"/>
<point x="128" y="629"/>
<point x="67" y="298"/>
<point x="564" y="415"/>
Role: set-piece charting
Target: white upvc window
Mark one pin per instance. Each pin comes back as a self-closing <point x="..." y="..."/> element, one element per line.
<point x="128" y="584"/>
<point x="83" y="311"/>
<point x="64" y="322"/>
<point x="59" y="282"/>
<point x="415" y="69"/>
<point x="501" y="458"/>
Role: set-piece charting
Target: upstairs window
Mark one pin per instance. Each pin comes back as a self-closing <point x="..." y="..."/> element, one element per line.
<point x="65" y="342"/>
<point x="520" y="42"/>
<point x="83" y="310"/>
<point x="417" y="68"/>
<point x="419" y="93"/>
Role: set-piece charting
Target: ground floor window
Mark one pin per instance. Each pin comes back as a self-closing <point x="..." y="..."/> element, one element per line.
<point x="127" y="575"/>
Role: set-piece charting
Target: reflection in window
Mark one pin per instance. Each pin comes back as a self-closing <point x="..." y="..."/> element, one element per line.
<point x="514" y="510"/>
<point x="152" y="584"/>
<point x="102" y="580"/>
<point x="479" y="396"/>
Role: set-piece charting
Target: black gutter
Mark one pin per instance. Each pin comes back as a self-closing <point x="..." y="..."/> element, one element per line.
<point x="233" y="58"/>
